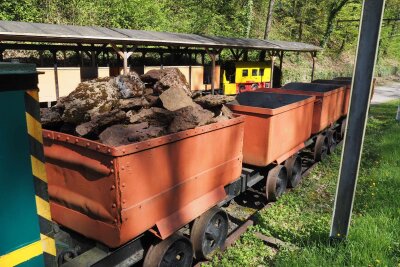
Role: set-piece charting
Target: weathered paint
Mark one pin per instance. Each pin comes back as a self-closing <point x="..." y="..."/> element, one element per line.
<point x="274" y="134"/>
<point x="113" y="194"/>
<point x="19" y="222"/>
<point x="327" y="109"/>
<point x="26" y="235"/>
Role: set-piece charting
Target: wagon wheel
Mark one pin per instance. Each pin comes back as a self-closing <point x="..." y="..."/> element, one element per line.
<point x="293" y="167"/>
<point x="176" y="250"/>
<point x="242" y="88"/>
<point x="276" y="182"/>
<point x="321" y="148"/>
<point x="343" y="128"/>
<point x="254" y="86"/>
<point x="66" y="256"/>
<point x="332" y="141"/>
<point x="209" y="232"/>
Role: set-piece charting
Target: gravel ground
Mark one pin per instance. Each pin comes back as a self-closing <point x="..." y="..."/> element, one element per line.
<point x="387" y="92"/>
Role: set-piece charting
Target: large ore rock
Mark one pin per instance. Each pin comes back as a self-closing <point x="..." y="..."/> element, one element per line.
<point x="120" y="134"/>
<point x="189" y="118"/>
<point x="212" y="101"/>
<point x="135" y="103"/>
<point x="89" y="99"/>
<point x="155" y="116"/>
<point x="152" y="76"/>
<point x="175" y="98"/>
<point x="50" y="118"/>
<point x="100" y="122"/>
<point x="164" y="79"/>
<point x="130" y="85"/>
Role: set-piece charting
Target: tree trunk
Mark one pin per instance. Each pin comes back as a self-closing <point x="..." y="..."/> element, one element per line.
<point x="335" y="9"/>
<point x="267" y="27"/>
<point x="249" y="17"/>
<point x="269" y="19"/>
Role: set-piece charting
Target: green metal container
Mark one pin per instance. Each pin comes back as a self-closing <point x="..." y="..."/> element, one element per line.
<point x="26" y="236"/>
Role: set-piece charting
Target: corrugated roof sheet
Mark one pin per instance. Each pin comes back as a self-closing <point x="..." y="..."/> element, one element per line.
<point x="40" y="32"/>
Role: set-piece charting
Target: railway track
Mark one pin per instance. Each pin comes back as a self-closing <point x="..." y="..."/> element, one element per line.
<point x="241" y="212"/>
<point x="242" y="209"/>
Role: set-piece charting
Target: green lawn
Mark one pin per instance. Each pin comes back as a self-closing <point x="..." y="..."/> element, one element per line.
<point x="303" y="216"/>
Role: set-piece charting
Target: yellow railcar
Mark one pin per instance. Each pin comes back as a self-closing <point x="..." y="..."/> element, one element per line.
<point x="246" y="76"/>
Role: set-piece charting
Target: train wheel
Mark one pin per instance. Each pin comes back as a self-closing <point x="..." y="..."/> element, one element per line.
<point x="276" y="182"/>
<point x="66" y="256"/>
<point x="209" y="232"/>
<point x="293" y="167"/>
<point x="176" y="250"/>
<point x="343" y="128"/>
<point x="254" y="86"/>
<point x="321" y="148"/>
<point x="332" y="141"/>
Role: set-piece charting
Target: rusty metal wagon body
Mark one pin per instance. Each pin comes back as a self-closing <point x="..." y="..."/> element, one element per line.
<point x="114" y="194"/>
<point x="328" y="107"/>
<point x="276" y="125"/>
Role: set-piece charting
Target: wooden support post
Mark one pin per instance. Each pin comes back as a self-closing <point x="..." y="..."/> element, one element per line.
<point x="93" y="58"/>
<point x="281" y="66"/>
<point x="361" y="89"/>
<point x="246" y="55"/>
<point x="144" y="57"/>
<point x="281" y="60"/>
<point x="272" y="55"/>
<point x="314" y="57"/>
<point x="56" y="74"/>
<point x="124" y="54"/>
<point x="190" y="77"/>
<point x="213" y="53"/>
<point x="41" y="58"/>
<point x="234" y="54"/>
<point x="65" y="57"/>
<point x="162" y="60"/>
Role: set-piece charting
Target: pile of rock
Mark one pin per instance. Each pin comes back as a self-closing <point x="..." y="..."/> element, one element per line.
<point x="126" y="109"/>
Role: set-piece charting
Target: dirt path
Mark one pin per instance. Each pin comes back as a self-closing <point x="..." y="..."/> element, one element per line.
<point x="387" y="92"/>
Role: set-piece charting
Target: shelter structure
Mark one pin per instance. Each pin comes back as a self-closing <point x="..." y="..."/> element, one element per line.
<point x="96" y="40"/>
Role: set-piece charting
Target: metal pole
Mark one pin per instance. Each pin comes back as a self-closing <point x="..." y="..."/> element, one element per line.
<point x="358" y="113"/>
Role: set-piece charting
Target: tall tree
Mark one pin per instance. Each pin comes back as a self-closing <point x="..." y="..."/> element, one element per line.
<point x="250" y="17"/>
<point x="334" y="8"/>
<point x="269" y="19"/>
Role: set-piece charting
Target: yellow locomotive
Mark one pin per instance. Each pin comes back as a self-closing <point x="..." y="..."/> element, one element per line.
<point x="239" y="77"/>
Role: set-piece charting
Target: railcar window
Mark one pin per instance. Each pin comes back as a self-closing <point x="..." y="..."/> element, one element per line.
<point x="261" y="72"/>
<point x="254" y="72"/>
<point x="245" y="73"/>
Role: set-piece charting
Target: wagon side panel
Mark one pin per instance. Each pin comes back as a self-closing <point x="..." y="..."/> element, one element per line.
<point x="82" y="188"/>
<point x="168" y="186"/>
<point x="289" y="130"/>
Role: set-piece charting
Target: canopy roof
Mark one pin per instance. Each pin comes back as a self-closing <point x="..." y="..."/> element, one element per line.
<point x="52" y="33"/>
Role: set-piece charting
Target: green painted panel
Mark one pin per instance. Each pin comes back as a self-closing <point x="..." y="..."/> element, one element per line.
<point x="34" y="262"/>
<point x="7" y="68"/>
<point x="18" y="220"/>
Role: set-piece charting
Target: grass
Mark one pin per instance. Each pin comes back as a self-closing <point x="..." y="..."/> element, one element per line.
<point x="303" y="216"/>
